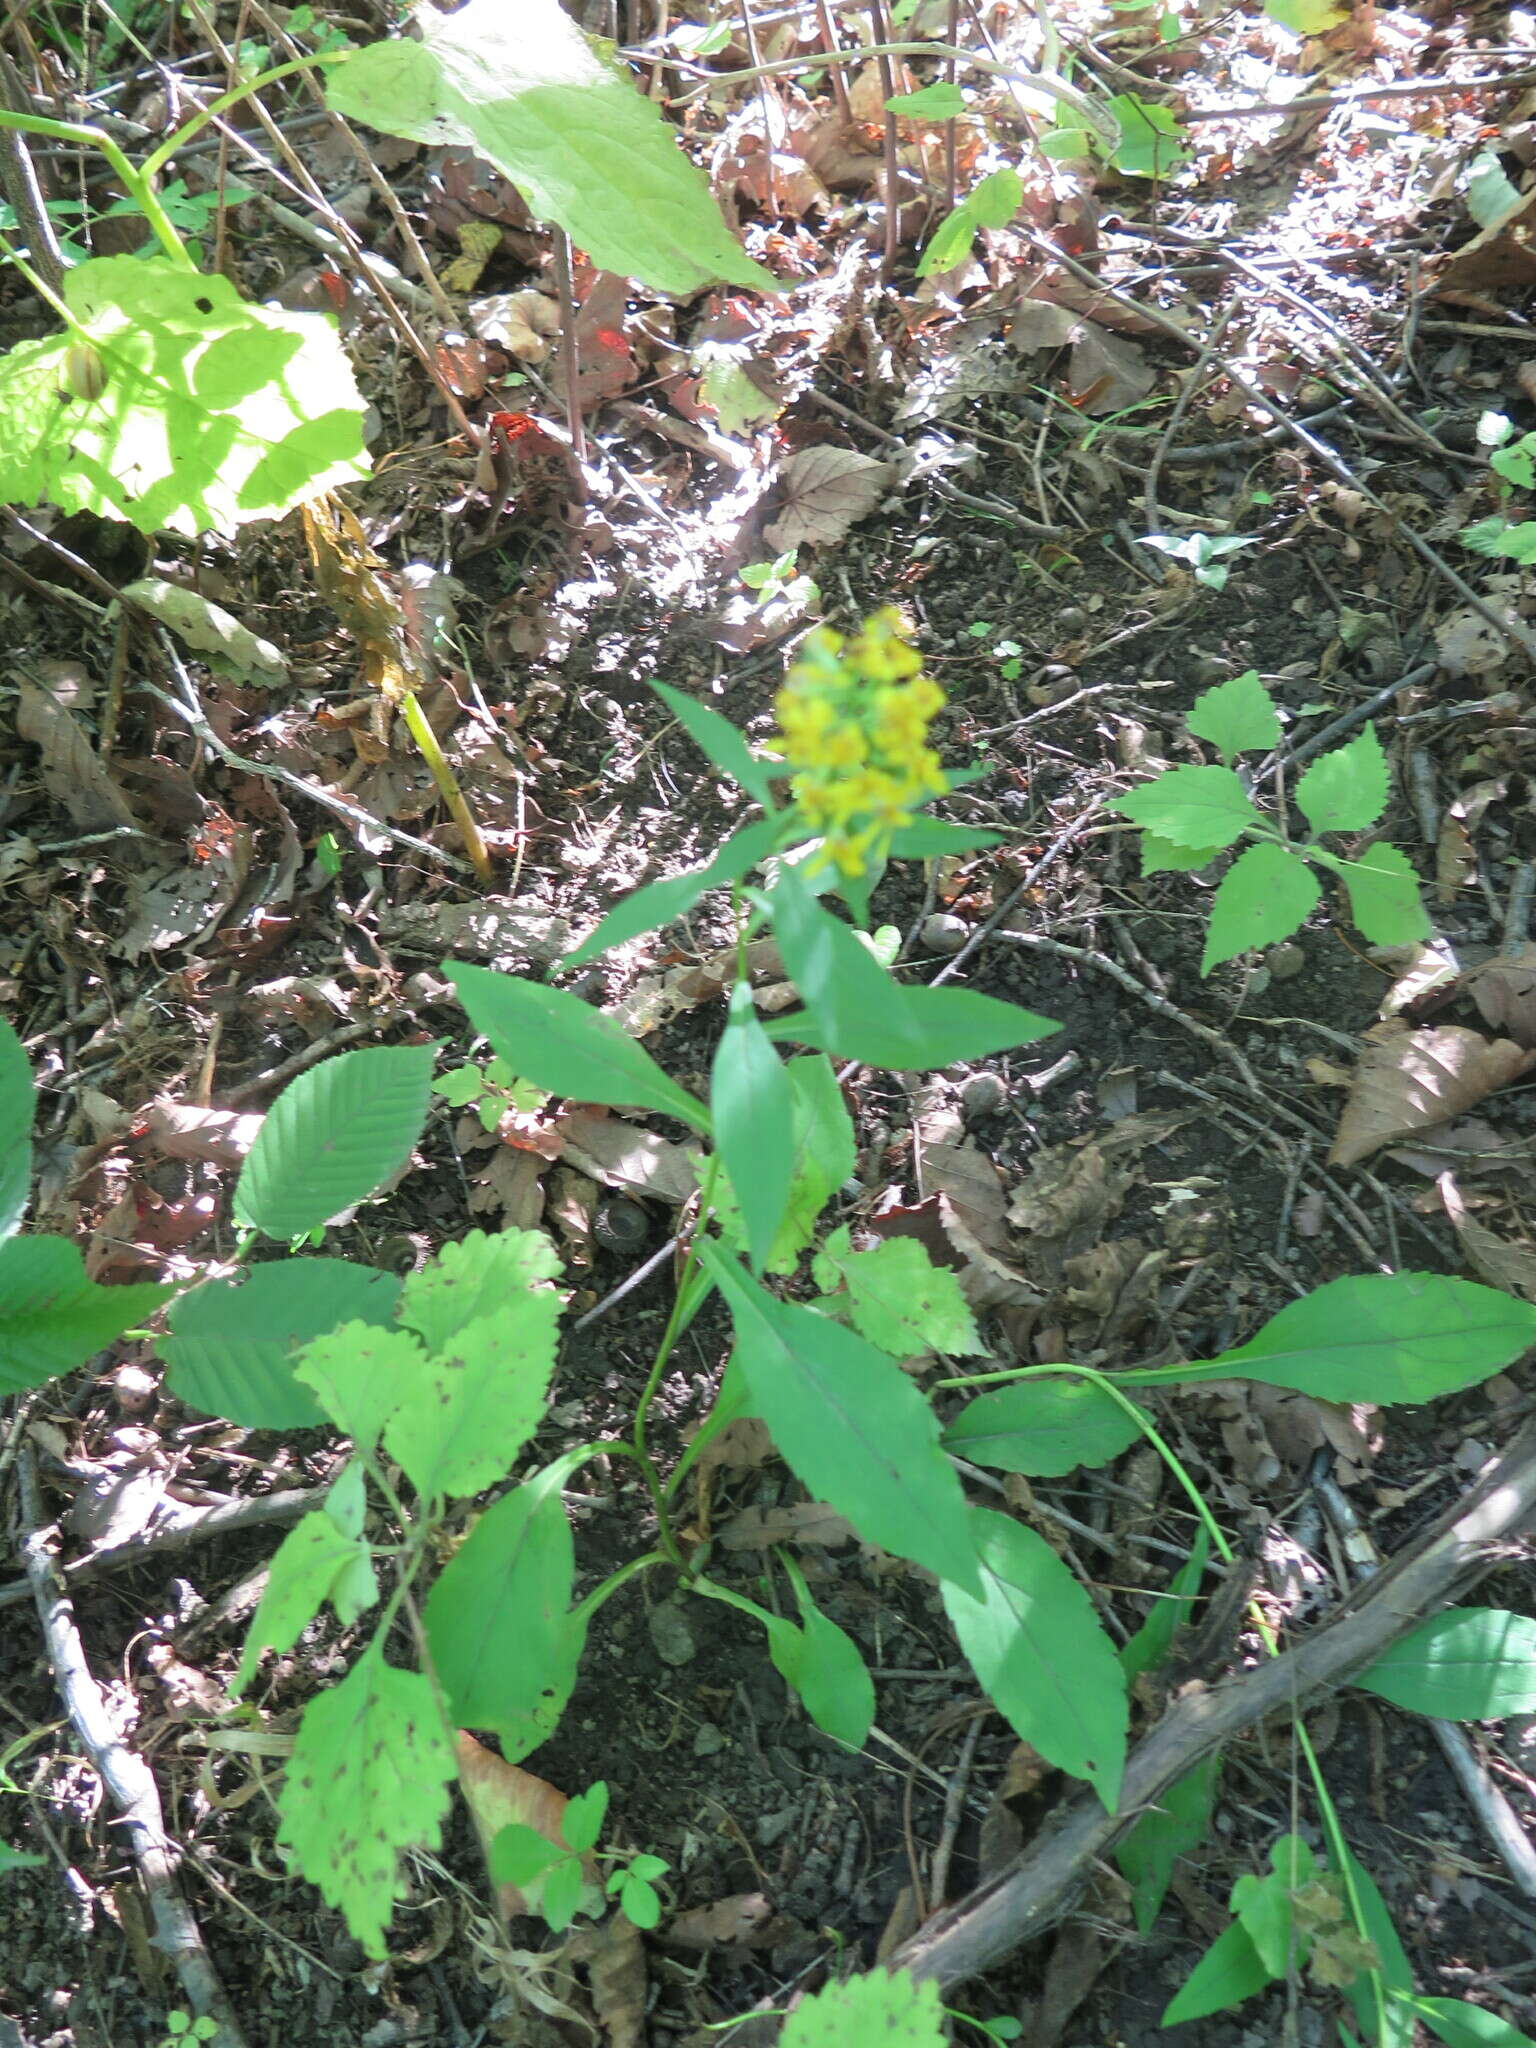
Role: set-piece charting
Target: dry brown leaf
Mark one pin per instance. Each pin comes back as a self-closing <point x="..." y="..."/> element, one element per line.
<point x="620" y="1155"/>
<point x="801" y="1521"/>
<point x="1107" y="372"/>
<point x="745" y="1920"/>
<point x="615" y="1958"/>
<point x="1504" y="990"/>
<point x="180" y="1130"/>
<point x="1511" y="1267"/>
<point x="500" y="1795"/>
<point x="742" y="1446"/>
<point x="510" y="1181"/>
<point x="986" y="1281"/>
<point x="70" y="769"/>
<point x="1408" y="1080"/>
<point x="824" y="492"/>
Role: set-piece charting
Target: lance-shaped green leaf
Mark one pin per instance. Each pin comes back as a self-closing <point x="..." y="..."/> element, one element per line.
<point x="1167" y="1831"/>
<point x="1377" y="1337"/>
<point x="1192" y="807"/>
<point x="658" y="903"/>
<point x="752" y="1111"/>
<point x="898" y="1298"/>
<point x="368" y="1778"/>
<point x="1346" y="790"/>
<point x="1236" y="717"/>
<point x="561" y="1043"/>
<point x="315" y="1562"/>
<point x="1043" y="1427"/>
<point x="1034" y="1641"/>
<point x="1462" y="2025"/>
<point x="52" y="1318"/>
<point x="505" y="1644"/>
<point x="855" y="1010"/>
<point x="525" y="89"/>
<point x="15" y="1130"/>
<point x="1230" y="1971"/>
<point x="932" y="838"/>
<point x="333" y="1137"/>
<point x="1470" y="1664"/>
<point x="233" y="1345"/>
<point x="183" y="407"/>
<point x="850" y="1424"/>
<point x="719" y="740"/>
<point x="824" y="1151"/>
<point x="1266" y="894"/>
<point x="1154" y="1639"/>
<point x="1162" y="857"/>
<point x="817" y="1661"/>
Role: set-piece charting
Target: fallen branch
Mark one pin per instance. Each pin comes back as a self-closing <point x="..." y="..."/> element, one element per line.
<point x="1035" y="1890"/>
<point x="129" y="1782"/>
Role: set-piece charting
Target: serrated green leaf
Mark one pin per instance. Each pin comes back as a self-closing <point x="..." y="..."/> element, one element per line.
<point x="1501" y="539"/>
<point x="333" y="1137"/>
<point x="460" y="1086"/>
<point x="582" y="1821"/>
<point x="519" y="1854"/>
<point x="478" y="1399"/>
<point x="899" y="1299"/>
<point x="1345" y="790"/>
<point x="525" y="89"/>
<point x="1161" y="857"/>
<point x="855" y="1010"/>
<point x="1262" y="1904"/>
<point x="16" y="1111"/>
<point x="1461" y="2025"/>
<point x="719" y="740"/>
<point x="849" y="1423"/>
<point x="1164" y="1833"/>
<point x="1228" y="1972"/>
<point x="210" y="411"/>
<point x="1034" y="1641"/>
<point x="1192" y="807"/>
<point x="1384" y="897"/>
<point x="1470" y="1664"/>
<point x="52" y="1318"/>
<point x="751" y="1107"/>
<point x="1375" y="1337"/>
<point x="1515" y="463"/>
<point x="1044" y="1428"/>
<point x="658" y="903"/>
<point x="368" y="1778"/>
<point x="478" y="1275"/>
<point x="234" y="1345"/>
<point x="1266" y="894"/>
<point x="566" y="1046"/>
<point x="1153" y="142"/>
<point x="360" y="1374"/>
<point x="504" y="1642"/>
<point x="305" y="1567"/>
<point x="880" y="2010"/>
<point x="1237" y="717"/>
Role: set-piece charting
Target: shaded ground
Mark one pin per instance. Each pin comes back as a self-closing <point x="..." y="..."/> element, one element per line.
<point x="189" y="959"/>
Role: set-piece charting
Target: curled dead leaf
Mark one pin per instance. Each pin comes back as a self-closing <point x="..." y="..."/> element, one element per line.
<point x="825" y="492"/>
<point x="1511" y="1267"/>
<point x="500" y="1795"/>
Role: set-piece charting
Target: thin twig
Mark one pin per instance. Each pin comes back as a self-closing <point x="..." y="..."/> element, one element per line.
<point x="128" y="1779"/>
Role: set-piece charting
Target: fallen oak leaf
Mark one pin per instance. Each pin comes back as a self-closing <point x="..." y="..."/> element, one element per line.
<point x="825" y="492"/>
<point x="1408" y="1080"/>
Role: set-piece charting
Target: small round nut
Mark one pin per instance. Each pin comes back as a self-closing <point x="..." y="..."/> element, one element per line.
<point x="621" y="1226"/>
<point x="983" y="1094"/>
<point x="942" y="933"/>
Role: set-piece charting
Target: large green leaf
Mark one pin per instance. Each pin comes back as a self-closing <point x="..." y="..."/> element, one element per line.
<point x="315" y="1562"/>
<point x="658" y="903"/>
<point x="1384" y="897"/>
<point x="505" y="1644"/>
<point x="1392" y="1966"/>
<point x="1033" y="1639"/>
<point x="1346" y="790"/>
<point x="52" y="1318"/>
<point x="849" y="1422"/>
<point x="855" y="1010"/>
<point x="1236" y="717"/>
<point x="1229" y="1971"/>
<point x="522" y="87"/>
<point x="360" y="1375"/>
<point x="1044" y="1427"/>
<point x="1192" y="807"/>
<point x="752" y="1110"/>
<point x="368" y="1778"/>
<point x="898" y="1298"/>
<point x="478" y="1400"/>
<point x="1471" y="1664"/>
<point x="478" y="1275"/>
<point x="825" y="1150"/>
<point x="189" y="408"/>
<point x="16" y="1110"/>
<point x="559" y="1042"/>
<point x="1376" y="1337"/>
<point x="334" y="1136"/>
<point x="1462" y="2025"/>
<point x="233" y="1344"/>
<point x="878" y="2010"/>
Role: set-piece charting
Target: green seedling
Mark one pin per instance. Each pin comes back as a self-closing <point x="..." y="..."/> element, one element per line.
<point x="1203" y="554"/>
<point x="1512" y="458"/>
<point x="1189" y="815"/>
<point x="182" y="2031"/>
<point x="492" y="1090"/>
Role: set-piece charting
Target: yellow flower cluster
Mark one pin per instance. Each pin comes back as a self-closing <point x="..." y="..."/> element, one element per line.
<point x="854" y="714"/>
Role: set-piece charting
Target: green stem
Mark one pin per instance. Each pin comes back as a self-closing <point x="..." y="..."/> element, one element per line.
<point x="585" y="1609"/>
<point x="136" y="183"/>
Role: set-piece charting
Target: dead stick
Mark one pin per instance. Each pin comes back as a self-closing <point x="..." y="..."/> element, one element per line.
<point x="129" y="1781"/>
